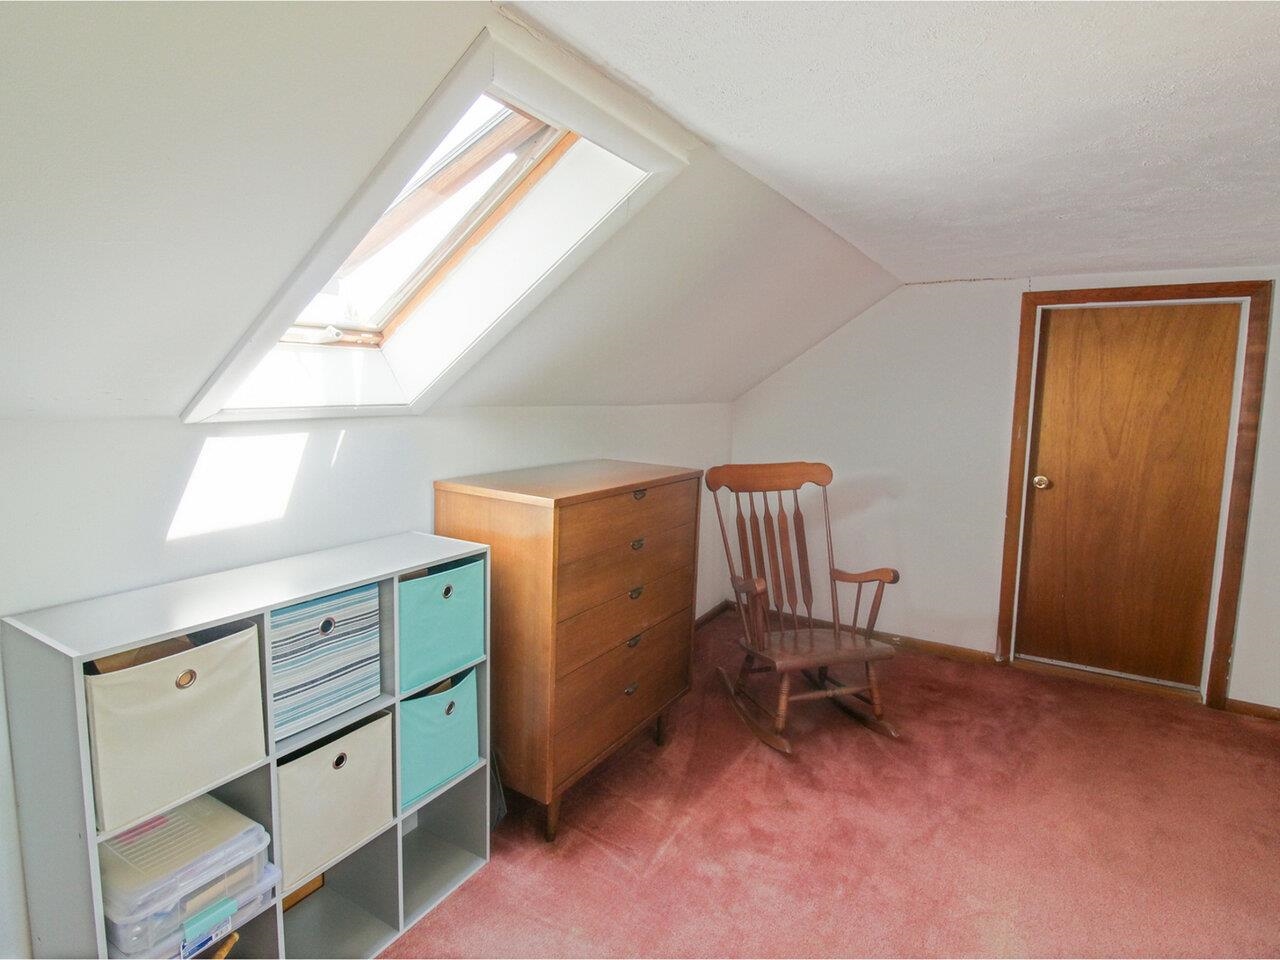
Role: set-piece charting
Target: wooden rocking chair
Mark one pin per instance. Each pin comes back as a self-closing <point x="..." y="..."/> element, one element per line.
<point x="774" y="583"/>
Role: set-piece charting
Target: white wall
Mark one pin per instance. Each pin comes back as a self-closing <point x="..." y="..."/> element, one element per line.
<point x="87" y="506"/>
<point x="911" y="404"/>
<point x="908" y="404"/>
<point x="89" y="503"/>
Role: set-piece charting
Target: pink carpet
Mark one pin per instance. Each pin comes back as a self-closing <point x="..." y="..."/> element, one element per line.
<point x="1019" y="815"/>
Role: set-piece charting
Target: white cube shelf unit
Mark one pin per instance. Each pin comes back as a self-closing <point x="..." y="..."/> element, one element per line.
<point x="376" y="886"/>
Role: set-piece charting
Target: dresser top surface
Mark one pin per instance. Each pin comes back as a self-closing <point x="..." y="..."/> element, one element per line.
<point x="561" y="484"/>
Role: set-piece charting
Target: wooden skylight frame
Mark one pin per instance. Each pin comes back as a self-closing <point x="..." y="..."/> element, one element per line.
<point x="538" y="145"/>
<point x="458" y="251"/>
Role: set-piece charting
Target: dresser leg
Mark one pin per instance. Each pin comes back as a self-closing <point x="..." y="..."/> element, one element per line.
<point x="551" y="823"/>
<point x="660" y="730"/>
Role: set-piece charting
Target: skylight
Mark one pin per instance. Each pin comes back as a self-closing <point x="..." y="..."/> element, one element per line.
<point x="489" y="155"/>
<point x="482" y="206"/>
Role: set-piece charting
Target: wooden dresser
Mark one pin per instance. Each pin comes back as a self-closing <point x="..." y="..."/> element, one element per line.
<point x="593" y="576"/>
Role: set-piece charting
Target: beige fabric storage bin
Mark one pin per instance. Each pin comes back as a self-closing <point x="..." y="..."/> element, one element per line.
<point x="165" y="730"/>
<point x="333" y="798"/>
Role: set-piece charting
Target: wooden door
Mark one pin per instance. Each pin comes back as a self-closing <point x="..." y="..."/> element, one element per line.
<point x="1125" y="482"/>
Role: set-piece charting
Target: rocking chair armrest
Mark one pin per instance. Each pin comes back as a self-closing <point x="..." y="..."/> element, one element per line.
<point x="750" y="587"/>
<point x="882" y="574"/>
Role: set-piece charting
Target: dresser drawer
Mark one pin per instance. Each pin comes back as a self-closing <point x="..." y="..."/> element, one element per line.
<point x="589" y="634"/>
<point x="622" y="569"/>
<point x="580" y="743"/>
<point x="586" y="528"/>
<point x="591" y="688"/>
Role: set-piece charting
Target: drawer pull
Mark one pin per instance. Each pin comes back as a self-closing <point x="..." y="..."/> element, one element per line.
<point x="185" y="679"/>
<point x="633" y="641"/>
<point x="447" y="592"/>
<point x="448" y="711"/>
<point x="637" y="544"/>
<point x="639" y="494"/>
<point x="631" y="689"/>
<point x="635" y="593"/>
<point x="339" y="761"/>
<point x="327" y="625"/>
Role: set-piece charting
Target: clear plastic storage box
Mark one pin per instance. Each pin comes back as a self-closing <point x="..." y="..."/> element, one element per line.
<point x="211" y="925"/>
<point x="192" y="866"/>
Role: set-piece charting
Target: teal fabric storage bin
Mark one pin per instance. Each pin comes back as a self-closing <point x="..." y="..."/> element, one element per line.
<point x="441" y="623"/>
<point x="439" y="737"/>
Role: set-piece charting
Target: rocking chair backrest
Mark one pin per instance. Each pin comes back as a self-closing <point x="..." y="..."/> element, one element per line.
<point x="772" y="541"/>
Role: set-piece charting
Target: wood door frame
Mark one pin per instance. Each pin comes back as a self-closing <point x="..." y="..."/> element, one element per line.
<point x="1257" y="294"/>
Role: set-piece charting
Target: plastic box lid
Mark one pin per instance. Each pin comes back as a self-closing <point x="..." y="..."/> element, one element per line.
<point x="153" y="866"/>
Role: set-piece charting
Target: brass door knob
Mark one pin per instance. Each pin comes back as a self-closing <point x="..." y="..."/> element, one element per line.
<point x="1040" y="482"/>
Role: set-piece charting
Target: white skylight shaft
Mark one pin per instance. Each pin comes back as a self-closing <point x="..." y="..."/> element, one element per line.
<point x="470" y="220"/>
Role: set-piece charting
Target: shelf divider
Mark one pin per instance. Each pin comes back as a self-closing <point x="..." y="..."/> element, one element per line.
<point x="304" y="738"/>
<point x="414" y="691"/>
<point x="438" y="791"/>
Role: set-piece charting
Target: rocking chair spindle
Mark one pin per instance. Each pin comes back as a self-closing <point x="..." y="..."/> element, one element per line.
<point x="771" y="582"/>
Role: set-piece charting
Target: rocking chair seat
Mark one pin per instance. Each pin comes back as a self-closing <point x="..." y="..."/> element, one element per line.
<point x="820" y="646"/>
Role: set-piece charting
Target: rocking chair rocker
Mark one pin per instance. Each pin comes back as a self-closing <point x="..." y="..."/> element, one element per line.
<point x="774" y="583"/>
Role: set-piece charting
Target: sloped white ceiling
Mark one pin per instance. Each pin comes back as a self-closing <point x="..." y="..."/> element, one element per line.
<point x="714" y="285"/>
<point x="164" y="168"/>
<point x="965" y="140"/>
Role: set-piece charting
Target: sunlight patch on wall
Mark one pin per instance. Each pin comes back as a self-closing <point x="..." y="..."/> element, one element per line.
<point x="237" y="482"/>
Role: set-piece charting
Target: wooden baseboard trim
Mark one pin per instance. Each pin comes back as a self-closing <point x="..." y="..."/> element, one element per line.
<point x="934" y="649"/>
<point x="1253" y="709"/>
<point x="1103" y="680"/>
<point x="968" y="655"/>
<point x="711" y="614"/>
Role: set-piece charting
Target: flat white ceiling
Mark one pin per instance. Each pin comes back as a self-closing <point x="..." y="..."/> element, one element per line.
<point x="963" y="140"/>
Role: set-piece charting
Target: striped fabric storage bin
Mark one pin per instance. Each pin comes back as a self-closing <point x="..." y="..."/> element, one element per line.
<point x="324" y="657"/>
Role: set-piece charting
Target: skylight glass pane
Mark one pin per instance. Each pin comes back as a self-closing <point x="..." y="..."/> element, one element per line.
<point x="467" y="172"/>
<point x="565" y="206"/>
<point x="353" y="299"/>
<point x="481" y="114"/>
